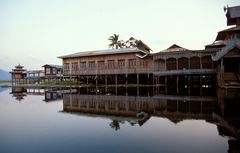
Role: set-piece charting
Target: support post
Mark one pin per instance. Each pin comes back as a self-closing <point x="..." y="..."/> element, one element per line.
<point x="189" y="83"/>
<point x="105" y="80"/>
<point x="137" y="79"/>
<point x="126" y="79"/>
<point x="87" y="79"/>
<point x="115" y="75"/>
<point x="177" y="85"/>
<point x="96" y="80"/>
<point x="200" y="79"/>
<point x="165" y="84"/>
<point x="148" y="81"/>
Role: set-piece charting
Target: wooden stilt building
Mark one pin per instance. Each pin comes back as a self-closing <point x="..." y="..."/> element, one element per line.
<point x="113" y="66"/>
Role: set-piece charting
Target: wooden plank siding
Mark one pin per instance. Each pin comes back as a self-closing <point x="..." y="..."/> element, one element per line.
<point x="110" y="64"/>
<point x="183" y="62"/>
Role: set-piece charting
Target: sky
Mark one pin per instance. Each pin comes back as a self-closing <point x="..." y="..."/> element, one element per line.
<point x="36" y="32"/>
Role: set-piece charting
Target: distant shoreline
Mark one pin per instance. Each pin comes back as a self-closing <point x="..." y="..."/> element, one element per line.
<point x="5" y="81"/>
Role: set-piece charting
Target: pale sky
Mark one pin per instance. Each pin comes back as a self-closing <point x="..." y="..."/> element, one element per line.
<point x="35" y="32"/>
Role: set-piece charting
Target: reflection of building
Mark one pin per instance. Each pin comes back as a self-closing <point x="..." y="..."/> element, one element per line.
<point x="19" y="93"/>
<point x="35" y="91"/>
<point x="223" y="111"/>
<point x="176" y="108"/>
<point x="229" y="118"/>
<point x="56" y="94"/>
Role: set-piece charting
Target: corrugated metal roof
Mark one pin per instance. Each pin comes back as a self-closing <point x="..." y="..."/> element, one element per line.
<point x="102" y="52"/>
<point x="53" y="65"/>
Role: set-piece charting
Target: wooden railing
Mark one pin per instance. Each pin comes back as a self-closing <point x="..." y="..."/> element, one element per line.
<point x="103" y="71"/>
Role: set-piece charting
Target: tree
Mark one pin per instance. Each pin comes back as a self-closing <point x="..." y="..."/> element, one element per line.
<point x="131" y="42"/>
<point x="115" y="124"/>
<point x="115" y="43"/>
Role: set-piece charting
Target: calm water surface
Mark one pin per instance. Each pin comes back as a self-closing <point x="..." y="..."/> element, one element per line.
<point x="117" y="120"/>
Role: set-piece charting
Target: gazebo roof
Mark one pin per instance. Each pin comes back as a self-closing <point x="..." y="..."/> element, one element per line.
<point x="19" y="66"/>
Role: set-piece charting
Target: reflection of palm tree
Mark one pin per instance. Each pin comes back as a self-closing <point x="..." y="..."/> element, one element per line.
<point x="115" y="43"/>
<point x="115" y="125"/>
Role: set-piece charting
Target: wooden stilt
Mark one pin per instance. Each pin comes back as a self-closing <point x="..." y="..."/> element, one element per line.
<point x="137" y="79"/>
<point x="115" y="79"/>
<point x="165" y="84"/>
<point x="126" y="79"/>
<point x="177" y="84"/>
<point x="189" y="83"/>
<point x="106" y="83"/>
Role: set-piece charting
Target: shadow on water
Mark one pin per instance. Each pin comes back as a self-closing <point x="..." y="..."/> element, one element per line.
<point x="136" y="105"/>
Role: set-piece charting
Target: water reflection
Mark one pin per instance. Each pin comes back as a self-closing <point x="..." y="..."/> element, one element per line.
<point x="123" y="105"/>
<point x="136" y="106"/>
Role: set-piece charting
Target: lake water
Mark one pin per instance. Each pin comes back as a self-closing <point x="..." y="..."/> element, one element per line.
<point x="117" y="120"/>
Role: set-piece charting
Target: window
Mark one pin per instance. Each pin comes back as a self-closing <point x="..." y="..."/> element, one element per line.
<point x="48" y="70"/>
<point x="83" y="66"/>
<point x="171" y="64"/>
<point x="100" y="64"/>
<point x="206" y="62"/>
<point x="66" y="66"/>
<point x="183" y="63"/>
<point x="75" y="66"/>
<point x="110" y="64"/>
<point x="92" y="65"/>
<point x="143" y="63"/>
<point x="54" y="70"/>
<point x="195" y="62"/>
<point x="132" y="63"/>
<point x="121" y="63"/>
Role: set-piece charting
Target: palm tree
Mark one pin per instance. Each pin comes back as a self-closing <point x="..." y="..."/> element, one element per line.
<point x="115" y="43"/>
<point x="131" y="42"/>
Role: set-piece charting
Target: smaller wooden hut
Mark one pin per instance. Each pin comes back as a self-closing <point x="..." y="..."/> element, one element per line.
<point x="52" y="71"/>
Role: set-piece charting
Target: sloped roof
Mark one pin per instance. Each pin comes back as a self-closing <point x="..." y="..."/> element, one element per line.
<point x="52" y="65"/>
<point x="102" y="52"/>
<point x="233" y="12"/>
<point x="19" y="66"/>
<point x="230" y="44"/>
<point x="215" y="44"/>
<point x="175" y="47"/>
<point x="223" y="34"/>
<point x="142" y="43"/>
